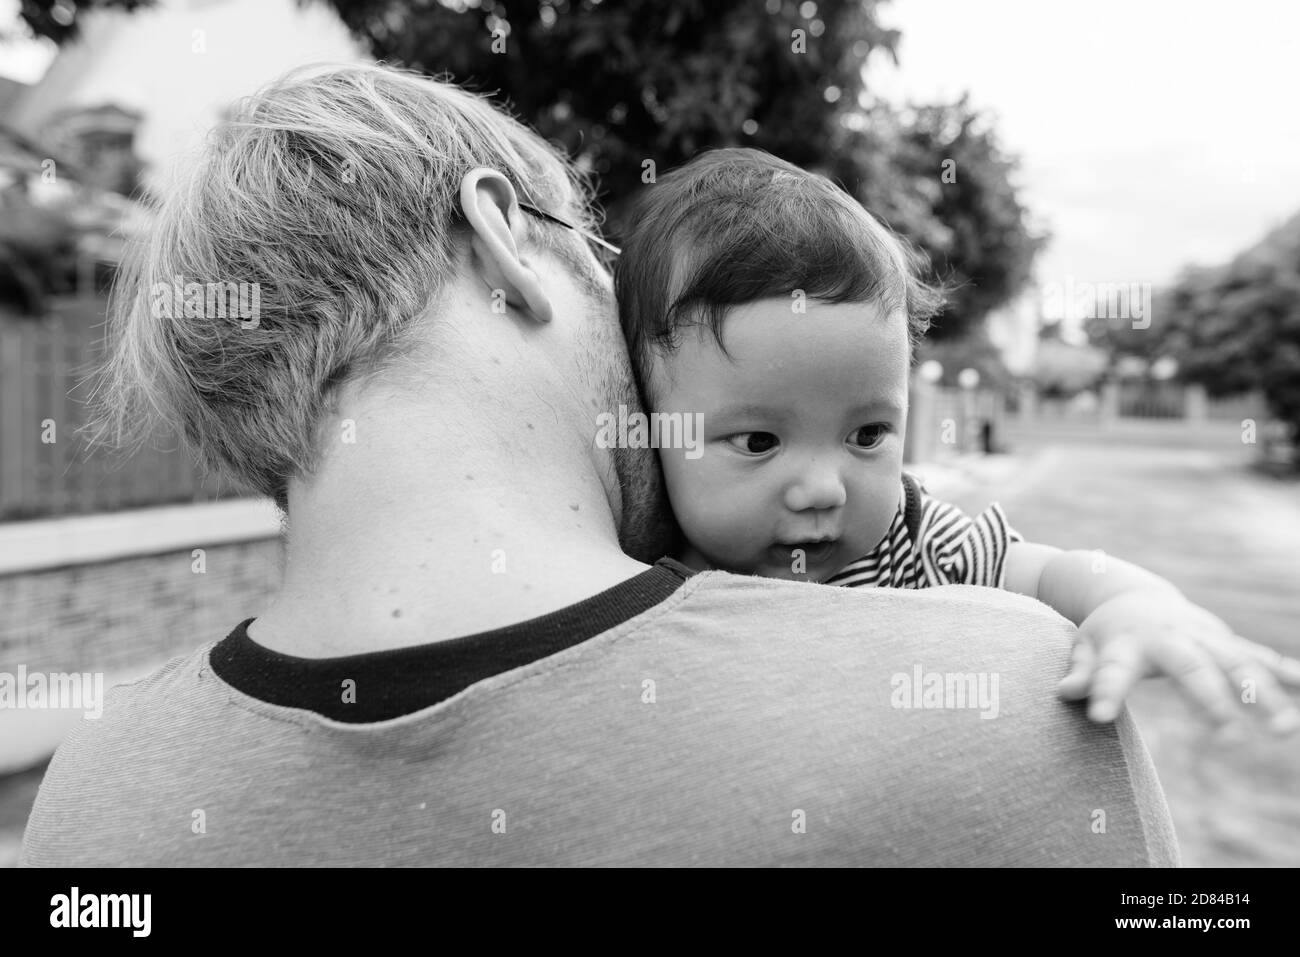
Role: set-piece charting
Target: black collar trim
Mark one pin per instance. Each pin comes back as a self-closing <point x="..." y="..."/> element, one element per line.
<point x="389" y="684"/>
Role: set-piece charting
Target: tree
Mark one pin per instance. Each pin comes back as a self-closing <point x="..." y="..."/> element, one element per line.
<point x="939" y="176"/>
<point x="57" y="19"/>
<point x="620" y="83"/>
<point x="624" y="83"/>
<point x="1237" y="327"/>
<point x="1122" y="330"/>
<point x="38" y="254"/>
<point x="1232" y="328"/>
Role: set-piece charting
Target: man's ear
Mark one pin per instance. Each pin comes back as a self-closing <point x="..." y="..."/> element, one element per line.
<point x="492" y="211"/>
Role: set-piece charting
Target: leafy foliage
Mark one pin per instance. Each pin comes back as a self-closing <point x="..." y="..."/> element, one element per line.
<point x="1231" y="328"/>
<point x="622" y="82"/>
<point x="38" y="254"/>
<point x="938" y="175"/>
<point x="1238" y="327"/>
<point x="619" y="83"/>
<point x="57" y="19"/>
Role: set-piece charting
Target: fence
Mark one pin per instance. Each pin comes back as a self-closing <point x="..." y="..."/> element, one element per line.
<point x="46" y="467"/>
<point x="943" y="421"/>
<point x="1175" y="400"/>
<point x="1152" y="400"/>
<point x="1237" y="408"/>
<point x="1172" y="402"/>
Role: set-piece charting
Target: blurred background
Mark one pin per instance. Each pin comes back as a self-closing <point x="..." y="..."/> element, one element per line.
<point x="1112" y="189"/>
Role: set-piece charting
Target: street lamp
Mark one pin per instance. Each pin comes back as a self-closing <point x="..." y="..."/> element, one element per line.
<point x="969" y="379"/>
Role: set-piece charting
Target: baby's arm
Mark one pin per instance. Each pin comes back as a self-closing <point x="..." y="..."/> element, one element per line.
<point x="1133" y="623"/>
<point x="1075" y="583"/>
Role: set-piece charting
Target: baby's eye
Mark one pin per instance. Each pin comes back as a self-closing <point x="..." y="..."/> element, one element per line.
<point x="869" y="436"/>
<point x="753" y="443"/>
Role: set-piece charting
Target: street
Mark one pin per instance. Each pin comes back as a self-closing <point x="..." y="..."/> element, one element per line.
<point x="1185" y="506"/>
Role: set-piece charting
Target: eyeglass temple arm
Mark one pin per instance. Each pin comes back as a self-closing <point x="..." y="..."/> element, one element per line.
<point x="560" y="222"/>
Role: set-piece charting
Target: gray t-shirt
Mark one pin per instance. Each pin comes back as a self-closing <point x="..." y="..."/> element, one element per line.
<point x="737" y="721"/>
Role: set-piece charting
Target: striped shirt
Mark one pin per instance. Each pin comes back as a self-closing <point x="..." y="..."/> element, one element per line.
<point x="953" y="549"/>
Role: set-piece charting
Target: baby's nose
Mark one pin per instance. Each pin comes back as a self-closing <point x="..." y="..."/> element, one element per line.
<point x="816" y="488"/>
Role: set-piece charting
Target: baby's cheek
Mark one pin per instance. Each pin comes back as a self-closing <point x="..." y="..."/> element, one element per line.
<point x="873" y="503"/>
<point x="687" y="488"/>
<point x="704" y="501"/>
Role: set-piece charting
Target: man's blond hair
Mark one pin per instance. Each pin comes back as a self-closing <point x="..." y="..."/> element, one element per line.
<point x="334" y="194"/>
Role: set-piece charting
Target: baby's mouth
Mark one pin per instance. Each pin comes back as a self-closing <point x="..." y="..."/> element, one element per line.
<point x="814" y="551"/>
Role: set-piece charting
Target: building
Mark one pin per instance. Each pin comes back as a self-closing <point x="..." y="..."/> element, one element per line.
<point x="136" y="91"/>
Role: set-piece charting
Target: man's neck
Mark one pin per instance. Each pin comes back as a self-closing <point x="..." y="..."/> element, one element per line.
<point x="415" y="533"/>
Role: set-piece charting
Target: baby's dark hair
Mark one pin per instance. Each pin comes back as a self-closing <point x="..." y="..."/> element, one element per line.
<point x="735" y="226"/>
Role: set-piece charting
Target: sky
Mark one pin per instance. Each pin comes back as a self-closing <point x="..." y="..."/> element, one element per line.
<point x="1152" y="134"/>
<point x="24" y="60"/>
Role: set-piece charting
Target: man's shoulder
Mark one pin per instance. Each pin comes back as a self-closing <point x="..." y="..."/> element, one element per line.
<point x="850" y="648"/>
<point x="911" y="727"/>
<point x="147" y="697"/>
<point x="949" y="613"/>
<point x="925" y="725"/>
<point x="99" y="760"/>
<point x="875" y="630"/>
<point x="756" y="588"/>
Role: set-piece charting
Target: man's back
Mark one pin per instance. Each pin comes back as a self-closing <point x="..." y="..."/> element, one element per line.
<point x="737" y="721"/>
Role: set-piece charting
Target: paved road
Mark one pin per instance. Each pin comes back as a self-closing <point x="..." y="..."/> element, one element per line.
<point x="1227" y="537"/>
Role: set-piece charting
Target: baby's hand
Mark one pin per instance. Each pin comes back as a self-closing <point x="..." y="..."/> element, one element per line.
<point x="1156" y="631"/>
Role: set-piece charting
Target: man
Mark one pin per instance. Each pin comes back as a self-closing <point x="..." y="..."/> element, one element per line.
<point x="463" y="666"/>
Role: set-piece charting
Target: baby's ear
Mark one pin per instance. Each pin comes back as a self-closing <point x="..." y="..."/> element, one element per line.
<point x="492" y="210"/>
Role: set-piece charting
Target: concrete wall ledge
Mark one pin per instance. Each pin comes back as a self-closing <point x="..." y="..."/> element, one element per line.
<point x="83" y="539"/>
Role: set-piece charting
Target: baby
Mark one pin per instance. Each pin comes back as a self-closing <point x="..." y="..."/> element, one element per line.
<point x="770" y="303"/>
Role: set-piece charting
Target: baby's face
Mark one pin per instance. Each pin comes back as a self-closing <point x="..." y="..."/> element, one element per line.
<point x="803" y="436"/>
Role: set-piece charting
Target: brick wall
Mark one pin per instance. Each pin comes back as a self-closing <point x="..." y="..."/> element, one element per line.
<point x="129" y="612"/>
